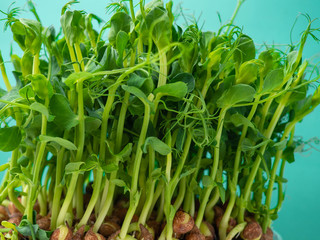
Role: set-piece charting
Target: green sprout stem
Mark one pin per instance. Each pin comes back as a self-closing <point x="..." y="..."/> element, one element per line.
<point x="57" y="186"/>
<point x="190" y="195"/>
<point x="106" y="205"/>
<point x="94" y="198"/>
<point x="148" y="202"/>
<point x="278" y="156"/>
<point x="167" y="193"/>
<point x="135" y="172"/>
<point x="4" y="74"/>
<point x="214" y="167"/>
<point x="181" y="194"/>
<point x="236" y="230"/>
<point x="37" y="167"/>
<point x="268" y="132"/>
<point x="209" y="213"/>
<point x="74" y="178"/>
<point x="247" y="189"/>
<point x="36" y="64"/>
<point x="105" y="117"/>
<point x="157" y="194"/>
<point x="134" y="134"/>
<point x="163" y="68"/>
<point x="15" y="152"/>
<point x="232" y="186"/>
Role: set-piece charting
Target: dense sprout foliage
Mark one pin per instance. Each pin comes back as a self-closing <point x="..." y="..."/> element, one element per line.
<point x="153" y="132"/>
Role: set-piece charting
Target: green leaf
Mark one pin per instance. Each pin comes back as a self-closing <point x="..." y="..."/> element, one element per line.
<point x="239" y="120"/>
<point x="75" y="77"/>
<point x="73" y="167"/>
<point x="215" y="58"/>
<point x="73" y="25"/>
<point x="144" y="82"/>
<point x="148" y="6"/>
<point x="10" y="97"/>
<point x="27" y="33"/>
<point x="10" y="225"/>
<point x="190" y="54"/>
<point x="40" y="85"/>
<point x="247" y="144"/>
<point x="156" y="174"/>
<point x="109" y="168"/>
<point x="122" y="40"/>
<point x="272" y="81"/>
<point x="23" y="161"/>
<point x="136" y="80"/>
<point x="291" y="60"/>
<point x="280" y="145"/>
<point x="157" y="145"/>
<point x="236" y="94"/>
<point x="26" y="92"/>
<point x="135" y="91"/>
<point x="10" y="138"/>
<point x="205" y="40"/>
<point x="91" y="163"/>
<point x="281" y="179"/>
<point x="248" y="73"/>
<point x="40" y="108"/>
<point x="125" y="152"/>
<point x="64" y="116"/>
<point x="207" y="181"/>
<point x="108" y="59"/>
<point x="300" y="93"/>
<point x="26" y="63"/>
<point x="120" y="21"/>
<point x="62" y="142"/>
<point x="222" y="192"/>
<point x="177" y="89"/>
<point x="188" y="172"/>
<point x="26" y="228"/>
<point x="136" y="107"/>
<point x="187" y="78"/>
<point x="122" y="184"/>
<point x="288" y="154"/>
<point x="266" y="57"/>
<point x="303" y="105"/>
<point x="43" y="235"/>
<point x="245" y="50"/>
<point x="157" y="21"/>
<point x="91" y="124"/>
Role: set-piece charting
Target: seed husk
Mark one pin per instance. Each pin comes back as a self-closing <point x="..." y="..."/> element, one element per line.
<point x="90" y="235"/>
<point x="4" y="216"/>
<point x="108" y="228"/>
<point x="268" y="235"/>
<point x="195" y="234"/>
<point x="252" y="231"/>
<point x="44" y="223"/>
<point x="146" y="233"/>
<point x="182" y="222"/>
<point x="62" y="233"/>
<point x="79" y="234"/>
<point x="207" y="230"/>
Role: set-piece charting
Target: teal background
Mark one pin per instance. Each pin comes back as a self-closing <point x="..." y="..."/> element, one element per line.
<point x="266" y="22"/>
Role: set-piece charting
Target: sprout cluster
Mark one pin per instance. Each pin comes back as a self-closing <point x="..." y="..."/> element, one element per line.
<point x="153" y="132"/>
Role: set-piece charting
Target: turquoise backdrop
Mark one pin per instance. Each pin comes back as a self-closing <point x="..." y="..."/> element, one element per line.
<point x="266" y="22"/>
